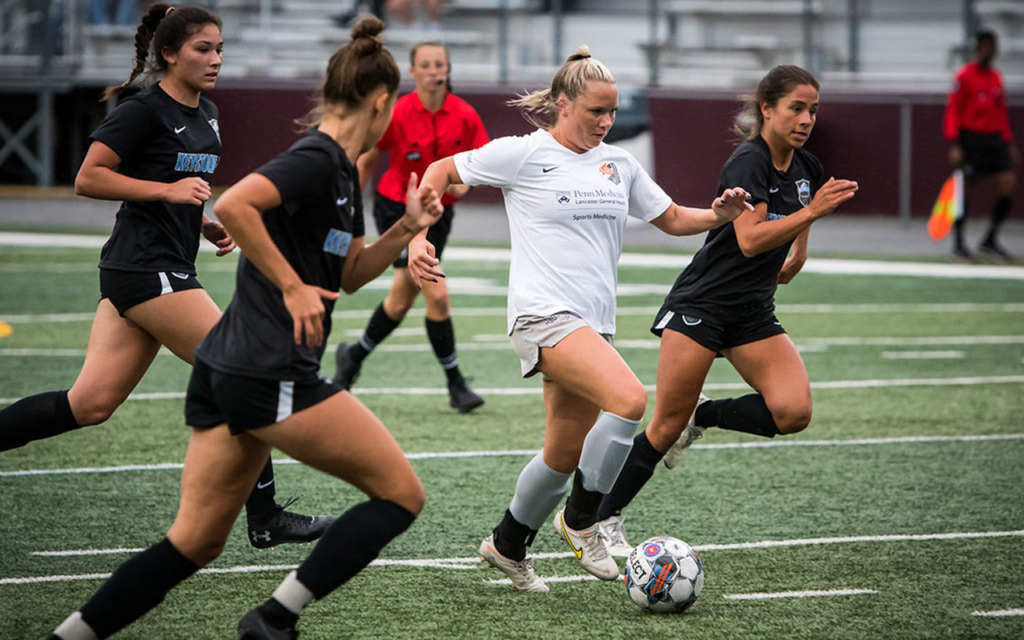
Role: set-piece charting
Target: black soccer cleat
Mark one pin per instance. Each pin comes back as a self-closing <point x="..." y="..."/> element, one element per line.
<point x="995" y="253"/>
<point x="462" y="398"/>
<point x="346" y="369"/>
<point x="253" y="626"/>
<point x="283" y="527"/>
<point x="960" y="254"/>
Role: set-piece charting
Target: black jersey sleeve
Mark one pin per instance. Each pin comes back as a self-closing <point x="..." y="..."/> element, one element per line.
<point x="749" y="169"/>
<point x="127" y="128"/>
<point x="300" y="175"/>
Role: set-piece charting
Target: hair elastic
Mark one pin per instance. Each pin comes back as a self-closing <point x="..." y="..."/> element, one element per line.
<point x="168" y="12"/>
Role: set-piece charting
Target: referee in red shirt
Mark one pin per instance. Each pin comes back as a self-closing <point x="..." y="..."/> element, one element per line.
<point x="428" y="124"/>
<point x="977" y="124"/>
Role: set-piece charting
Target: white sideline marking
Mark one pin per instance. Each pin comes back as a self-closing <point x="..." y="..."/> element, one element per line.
<point x="474" y="561"/>
<point x="922" y="355"/>
<point x="445" y="455"/>
<point x="797" y="594"/>
<point x="576" y="578"/>
<point x="999" y="614"/>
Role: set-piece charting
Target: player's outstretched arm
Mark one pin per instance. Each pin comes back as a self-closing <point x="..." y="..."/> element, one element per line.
<point x="686" y="221"/>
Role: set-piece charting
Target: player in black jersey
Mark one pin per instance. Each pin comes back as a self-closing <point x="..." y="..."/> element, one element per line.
<point x="155" y="152"/>
<point x="256" y="385"/>
<point x="723" y="303"/>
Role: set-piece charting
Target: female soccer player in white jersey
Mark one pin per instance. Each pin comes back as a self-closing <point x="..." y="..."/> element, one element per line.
<point x="156" y="152"/>
<point x="256" y="385"/>
<point x="724" y="301"/>
<point x="567" y="195"/>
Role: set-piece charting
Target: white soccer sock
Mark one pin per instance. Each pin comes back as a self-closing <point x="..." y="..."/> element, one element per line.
<point x="292" y="594"/>
<point x="74" y="628"/>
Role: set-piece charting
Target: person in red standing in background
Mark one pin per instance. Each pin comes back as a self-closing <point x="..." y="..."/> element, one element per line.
<point x="977" y="125"/>
<point x="429" y="124"/>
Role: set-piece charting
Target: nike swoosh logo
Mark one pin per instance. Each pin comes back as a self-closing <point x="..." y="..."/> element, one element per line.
<point x="565" y="534"/>
<point x="775" y="190"/>
<point x="548" y="169"/>
<point x="260" y="485"/>
<point x="691" y="322"/>
<point x="342" y="201"/>
<point x="179" y="129"/>
<point x="180" y="276"/>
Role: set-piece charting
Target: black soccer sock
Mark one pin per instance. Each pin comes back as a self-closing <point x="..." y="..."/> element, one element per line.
<point x="582" y="505"/>
<point x="137" y="586"/>
<point x="511" y="537"/>
<point x="1000" y="210"/>
<point x="958" y="230"/>
<point x="260" y="503"/>
<point x="35" y="418"/>
<point x="748" y="414"/>
<point x="278" y="615"/>
<point x="351" y="543"/>
<point x="378" y="329"/>
<point x="442" y="338"/>
<point x="638" y="469"/>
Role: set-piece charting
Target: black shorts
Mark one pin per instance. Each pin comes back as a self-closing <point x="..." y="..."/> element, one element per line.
<point x="387" y="212"/>
<point x="716" y="327"/>
<point x="215" y="398"/>
<point x="984" y="155"/>
<point x="125" y="289"/>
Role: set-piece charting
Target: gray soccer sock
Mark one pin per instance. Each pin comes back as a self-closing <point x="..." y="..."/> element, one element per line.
<point x="605" y="451"/>
<point x="539" y="490"/>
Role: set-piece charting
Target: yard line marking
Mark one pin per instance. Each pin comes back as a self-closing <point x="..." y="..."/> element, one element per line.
<point x="474" y="561"/>
<point x="798" y="594"/>
<point x="448" y="455"/>
<point x="998" y="614"/>
<point x="922" y="355"/>
<point x="83" y="552"/>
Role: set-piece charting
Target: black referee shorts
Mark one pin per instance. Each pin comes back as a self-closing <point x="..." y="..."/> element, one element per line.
<point x="984" y="155"/>
<point x="387" y="212"/>
<point x="125" y="289"/>
<point x="215" y="398"/>
<point x="716" y="327"/>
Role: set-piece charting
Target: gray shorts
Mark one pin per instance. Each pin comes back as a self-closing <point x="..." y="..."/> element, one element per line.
<point x="530" y="333"/>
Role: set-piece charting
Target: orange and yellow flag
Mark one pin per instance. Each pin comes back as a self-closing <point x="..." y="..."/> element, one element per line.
<point x="949" y="206"/>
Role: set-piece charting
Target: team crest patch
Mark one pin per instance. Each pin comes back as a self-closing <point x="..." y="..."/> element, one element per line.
<point x="337" y="242"/>
<point x="803" y="191"/>
<point x="563" y="197"/>
<point x="611" y="171"/>
<point x="216" y="127"/>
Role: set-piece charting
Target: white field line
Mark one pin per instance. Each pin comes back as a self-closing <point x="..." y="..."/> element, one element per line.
<point x="798" y="594"/>
<point x="474" y="561"/>
<point x="922" y="355"/>
<point x="999" y="614"/>
<point x="500" y="312"/>
<point x="450" y="455"/>
<point x="713" y="386"/>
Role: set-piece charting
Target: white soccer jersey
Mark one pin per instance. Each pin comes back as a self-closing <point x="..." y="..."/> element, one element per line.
<point x="566" y="213"/>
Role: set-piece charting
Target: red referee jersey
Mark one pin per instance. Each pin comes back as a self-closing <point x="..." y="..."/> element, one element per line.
<point x="977" y="104"/>
<point x="416" y="137"/>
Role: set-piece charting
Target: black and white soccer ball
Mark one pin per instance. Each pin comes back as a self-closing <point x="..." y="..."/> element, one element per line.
<point x="664" y="575"/>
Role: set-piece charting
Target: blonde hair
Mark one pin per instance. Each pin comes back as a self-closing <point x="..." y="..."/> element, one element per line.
<point x="540" y="108"/>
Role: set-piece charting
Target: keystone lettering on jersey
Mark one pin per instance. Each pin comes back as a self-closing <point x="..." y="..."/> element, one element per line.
<point x="197" y="162"/>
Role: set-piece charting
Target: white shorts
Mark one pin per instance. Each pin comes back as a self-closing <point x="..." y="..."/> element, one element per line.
<point x="530" y="333"/>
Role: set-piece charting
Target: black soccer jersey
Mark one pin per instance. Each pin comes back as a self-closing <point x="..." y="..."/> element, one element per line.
<point x="320" y="214"/>
<point x="719" y="273"/>
<point x="159" y="139"/>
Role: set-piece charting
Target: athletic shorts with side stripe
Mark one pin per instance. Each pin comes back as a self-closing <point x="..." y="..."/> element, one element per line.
<point x="716" y="327"/>
<point x="125" y="289"/>
<point x="387" y="212"/>
<point x="215" y="398"/>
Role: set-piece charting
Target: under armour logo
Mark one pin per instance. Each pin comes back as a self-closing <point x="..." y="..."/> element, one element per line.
<point x="257" y="536"/>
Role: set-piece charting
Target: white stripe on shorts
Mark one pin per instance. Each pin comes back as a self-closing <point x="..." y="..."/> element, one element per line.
<point x="285" y="396"/>
<point x="664" y="320"/>
<point x="165" y="284"/>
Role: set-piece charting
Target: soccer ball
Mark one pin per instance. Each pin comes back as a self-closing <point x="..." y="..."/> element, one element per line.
<point x="664" y="575"/>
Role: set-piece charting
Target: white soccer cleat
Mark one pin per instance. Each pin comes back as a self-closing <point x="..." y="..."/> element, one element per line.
<point x="686" y="438"/>
<point x="523" y="577"/>
<point x="589" y="548"/>
<point x="614" y="531"/>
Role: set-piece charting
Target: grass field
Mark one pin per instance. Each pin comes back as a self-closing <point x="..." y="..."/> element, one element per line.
<point x="898" y="514"/>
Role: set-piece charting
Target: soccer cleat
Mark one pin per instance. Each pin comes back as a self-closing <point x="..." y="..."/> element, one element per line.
<point x="614" y="531"/>
<point x="462" y="398"/>
<point x="995" y="253"/>
<point x="960" y="254"/>
<point x="589" y="548"/>
<point x="346" y="369"/>
<point x="283" y="527"/>
<point x="690" y="433"/>
<point x="253" y="626"/>
<point x="523" y="577"/>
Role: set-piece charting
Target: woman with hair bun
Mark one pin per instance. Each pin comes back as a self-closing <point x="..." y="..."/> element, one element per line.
<point x="567" y="196"/>
<point x="156" y="152"/>
<point x="256" y="386"/>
